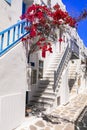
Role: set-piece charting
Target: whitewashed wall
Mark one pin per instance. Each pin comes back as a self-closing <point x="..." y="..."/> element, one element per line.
<point x="13" y="83"/>
<point x="12" y="110"/>
<point x="64" y="90"/>
<point x="53" y="2"/>
<point x="13" y="70"/>
<point x="13" y="86"/>
<point x="9" y="14"/>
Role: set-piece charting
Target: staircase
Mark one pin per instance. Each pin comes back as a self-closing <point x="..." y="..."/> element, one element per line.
<point x="12" y="35"/>
<point x="45" y="95"/>
<point x="49" y="86"/>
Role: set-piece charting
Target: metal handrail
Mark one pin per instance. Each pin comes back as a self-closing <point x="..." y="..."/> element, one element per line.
<point x="12" y="35"/>
<point x="58" y="72"/>
<point x="74" y="47"/>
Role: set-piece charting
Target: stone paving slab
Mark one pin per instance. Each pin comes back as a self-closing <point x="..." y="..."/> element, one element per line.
<point x="70" y="112"/>
<point x="73" y="109"/>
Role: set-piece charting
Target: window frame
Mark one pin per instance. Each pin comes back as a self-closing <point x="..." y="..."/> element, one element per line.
<point x="33" y="76"/>
<point x="8" y="1"/>
<point x="40" y="69"/>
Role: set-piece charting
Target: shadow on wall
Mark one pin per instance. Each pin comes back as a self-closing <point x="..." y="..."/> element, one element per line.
<point x="71" y="83"/>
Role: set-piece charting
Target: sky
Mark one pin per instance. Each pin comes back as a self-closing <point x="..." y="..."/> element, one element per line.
<point x="74" y="8"/>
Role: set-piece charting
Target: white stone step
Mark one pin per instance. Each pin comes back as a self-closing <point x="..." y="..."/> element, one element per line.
<point x="47" y="81"/>
<point x="46" y="87"/>
<point x="50" y="75"/>
<point x="51" y="69"/>
<point x="50" y="102"/>
<point x="45" y="94"/>
<point x="47" y="90"/>
<point x="40" y="103"/>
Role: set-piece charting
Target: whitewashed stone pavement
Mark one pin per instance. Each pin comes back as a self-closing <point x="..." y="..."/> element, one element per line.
<point x="69" y="112"/>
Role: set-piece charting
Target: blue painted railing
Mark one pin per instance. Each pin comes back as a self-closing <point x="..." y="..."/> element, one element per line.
<point x="12" y="35"/>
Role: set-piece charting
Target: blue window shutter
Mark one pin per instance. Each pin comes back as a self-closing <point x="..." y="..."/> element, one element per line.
<point x="8" y="1"/>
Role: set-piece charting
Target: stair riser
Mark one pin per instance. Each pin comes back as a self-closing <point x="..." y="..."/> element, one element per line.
<point x="44" y="100"/>
<point x="45" y="94"/>
<point x="46" y="89"/>
<point x="40" y="104"/>
<point x="46" y="83"/>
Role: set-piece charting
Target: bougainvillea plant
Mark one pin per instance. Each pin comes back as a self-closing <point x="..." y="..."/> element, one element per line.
<point x="44" y="23"/>
<point x="83" y="15"/>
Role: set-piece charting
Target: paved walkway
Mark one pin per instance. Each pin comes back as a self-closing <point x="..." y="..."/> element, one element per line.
<point x="64" y="115"/>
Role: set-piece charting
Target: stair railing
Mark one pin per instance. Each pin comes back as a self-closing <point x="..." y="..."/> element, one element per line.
<point x="74" y="47"/>
<point x="12" y="35"/>
<point x="65" y="58"/>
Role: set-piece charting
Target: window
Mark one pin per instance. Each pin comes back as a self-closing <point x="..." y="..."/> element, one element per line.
<point x="33" y="76"/>
<point x="8" y="1"/>
<point x="58" y="101"/>
<point x="40" y="69"/>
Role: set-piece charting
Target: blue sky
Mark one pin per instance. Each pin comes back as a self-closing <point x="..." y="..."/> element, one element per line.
<point x="74" y="8"/>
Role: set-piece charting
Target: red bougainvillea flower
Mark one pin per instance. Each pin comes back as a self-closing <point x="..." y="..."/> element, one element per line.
<point x="31" y="8"/>
<point x="39" y="15"/>
<point x="43" y="53"/>
<point x="23" y="39"/>
<point x="33" y="31"/>
<point x="22" y="16"/>
<point x="44" y="49"/>
<point x="38" y="43"/>
<point x="60" y="40"/>
<point x="50" y="49"/>
<point x="56" y="6"/>
<point x="44" y="22"/>
<point x="42" y="39"/>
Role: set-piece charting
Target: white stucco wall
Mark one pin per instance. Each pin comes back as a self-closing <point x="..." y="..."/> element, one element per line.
<point x="52" y="3"/>
<point x="13" y="86"/>
<point x="9" y="14"/>
<point x="13" y="82"/>
<point x="64" y="90"/>
<point x="12" y="110"/>
<point x="13" y="70"/>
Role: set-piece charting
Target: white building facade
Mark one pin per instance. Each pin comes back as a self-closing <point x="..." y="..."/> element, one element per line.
<point x="48" y="81"/>
<point x="12" y="72"/>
